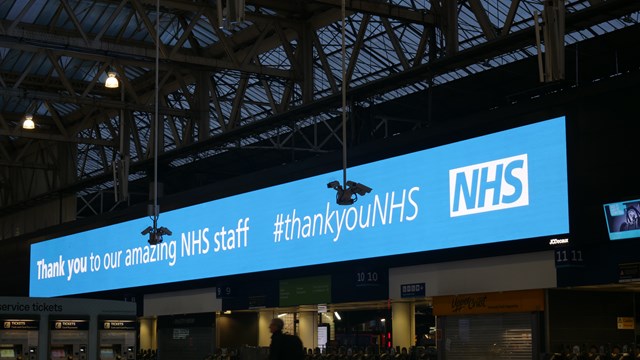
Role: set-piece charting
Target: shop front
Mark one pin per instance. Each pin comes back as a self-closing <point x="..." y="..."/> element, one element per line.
<point x="500" y="325"/>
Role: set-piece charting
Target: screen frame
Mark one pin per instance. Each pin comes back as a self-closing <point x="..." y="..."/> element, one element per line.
<point x="456" y="156"/>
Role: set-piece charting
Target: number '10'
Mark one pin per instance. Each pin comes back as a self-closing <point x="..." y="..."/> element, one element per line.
<point x="367" y="276"/>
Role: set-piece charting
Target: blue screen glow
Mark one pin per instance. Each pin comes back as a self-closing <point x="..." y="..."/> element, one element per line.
<point x="504" y="186"/>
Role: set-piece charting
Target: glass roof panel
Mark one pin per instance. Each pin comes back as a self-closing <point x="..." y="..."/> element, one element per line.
<point x="376" y="57"/>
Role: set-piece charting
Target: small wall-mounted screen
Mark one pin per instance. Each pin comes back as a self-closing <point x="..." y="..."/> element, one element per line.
<point x="623" y="219"/>
<point x="7" y="353"/>
<point x="58" y="353"/>
<point x="106" y="353"/>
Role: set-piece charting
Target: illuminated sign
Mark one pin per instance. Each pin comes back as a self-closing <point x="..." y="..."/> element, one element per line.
<point x="412" y="290"/>
<point x="623" y="219"/>
<point x="118" y="325"/>
<point x="70" y="325"/>
<point x="506" y="178"/>
<point x="301" y="291"/>
<point x="487" y="303"/>
<point x="558" y="241"/>
<point x="361" y="284"/>
<point x="9" y="324"/>
<point x="626" y="323"/>
<point x="499" y="187"/>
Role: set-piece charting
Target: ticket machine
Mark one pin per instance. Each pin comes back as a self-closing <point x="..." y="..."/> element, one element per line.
<point x="117" y="339"/>
<point x="68" y="339"/>
<point x="18" y="339"/>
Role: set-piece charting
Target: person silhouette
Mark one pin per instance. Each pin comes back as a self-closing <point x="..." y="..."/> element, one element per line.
<point x="632" y="219"/>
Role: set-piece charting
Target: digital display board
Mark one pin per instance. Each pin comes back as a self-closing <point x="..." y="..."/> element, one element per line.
<point x="623" y="219"/>
<point x="360" y="284"/>
<point x="309" y="290"/>
<point x="499" y="187"/>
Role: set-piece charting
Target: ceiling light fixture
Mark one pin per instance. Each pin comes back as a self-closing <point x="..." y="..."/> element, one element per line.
<point x="112" y="80"/>
<point x="28" y="123"/>
<point x="335" y="313"/>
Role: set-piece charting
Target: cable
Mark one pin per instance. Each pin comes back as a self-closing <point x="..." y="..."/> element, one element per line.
<point x="344" y="98"/>
<point x="156" y="212"/>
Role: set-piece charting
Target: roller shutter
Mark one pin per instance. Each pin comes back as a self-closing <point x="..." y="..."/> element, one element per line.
<point x="491" y="336"/>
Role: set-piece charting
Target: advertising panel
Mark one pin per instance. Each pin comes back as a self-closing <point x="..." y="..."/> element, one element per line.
<point x="499" y="187"/>
<point x="623" y="219"/>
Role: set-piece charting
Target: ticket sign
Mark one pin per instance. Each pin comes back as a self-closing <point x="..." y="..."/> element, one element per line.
<point x="504" y="186"/>
<point x="118" y="325"/>
<point x="70" y="325"/>
<point x="12" y="324"/>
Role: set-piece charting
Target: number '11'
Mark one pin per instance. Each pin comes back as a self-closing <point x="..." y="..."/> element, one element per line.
<point x="576" y="255"/>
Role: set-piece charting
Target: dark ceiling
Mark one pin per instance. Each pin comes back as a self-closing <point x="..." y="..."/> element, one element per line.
<point x="264" y="94"/>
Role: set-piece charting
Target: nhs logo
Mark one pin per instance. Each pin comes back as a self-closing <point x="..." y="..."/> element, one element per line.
<point x="490" y="186"/>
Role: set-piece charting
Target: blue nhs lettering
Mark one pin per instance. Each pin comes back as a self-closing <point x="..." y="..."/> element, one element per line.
<point x="494" y="185"/>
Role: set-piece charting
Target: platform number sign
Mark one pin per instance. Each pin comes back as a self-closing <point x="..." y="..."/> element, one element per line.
<point x="366" y="277"/>
<point x="569" y="257"/>
<point x="223" y="292"/>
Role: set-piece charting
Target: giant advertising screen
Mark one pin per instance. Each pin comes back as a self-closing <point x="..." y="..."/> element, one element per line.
<point x="499" y="187"/>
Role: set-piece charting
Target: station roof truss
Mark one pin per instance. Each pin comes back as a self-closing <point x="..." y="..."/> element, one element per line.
<point x="271" y="81"/>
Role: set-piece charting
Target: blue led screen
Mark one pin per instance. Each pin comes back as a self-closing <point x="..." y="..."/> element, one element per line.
<point x="499" y="187"/>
